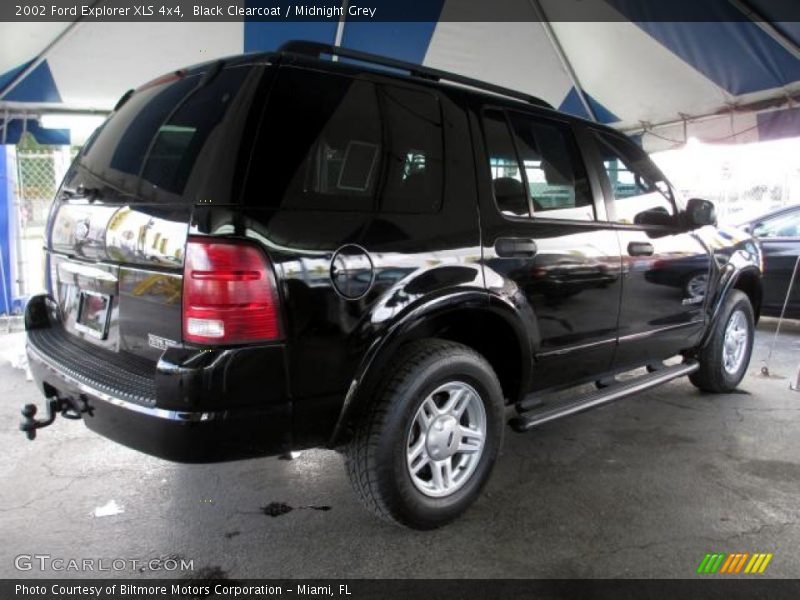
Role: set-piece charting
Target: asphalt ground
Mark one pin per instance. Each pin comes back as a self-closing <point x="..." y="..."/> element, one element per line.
<point x="643" y="488"/>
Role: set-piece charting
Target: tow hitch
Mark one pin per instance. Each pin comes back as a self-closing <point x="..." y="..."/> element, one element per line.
<point x="55" y="406"/>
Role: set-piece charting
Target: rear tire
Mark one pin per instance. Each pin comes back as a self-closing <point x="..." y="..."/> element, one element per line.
<point x="424" y="448"/>
<point x="725" y="357"/>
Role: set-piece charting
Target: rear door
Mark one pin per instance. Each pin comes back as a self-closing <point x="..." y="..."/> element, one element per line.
<point x="665" y="269"/>
<point x="363" y="212"/>
<point x="547" y="246"/>
<point x="119" y="225"/>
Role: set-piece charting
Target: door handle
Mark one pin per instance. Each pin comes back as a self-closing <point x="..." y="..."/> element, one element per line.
<point x="515" y="248"/>
<point x="640" y="249"/>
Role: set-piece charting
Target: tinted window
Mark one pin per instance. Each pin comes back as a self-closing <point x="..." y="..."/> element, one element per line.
<point x="331" y="142"/>
<point x="507" y="183"/>
<point x="160" y="132"/>
<point x="640" y="195"/>
<point x="414" y="150"/>
<point x="116" y="154"/>
<point x="787" y="225"/>
<point x="556" y="178"/>
<point x="179" y="141"/>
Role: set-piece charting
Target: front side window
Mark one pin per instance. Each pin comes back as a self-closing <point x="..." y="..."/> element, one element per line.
<point x="779" y="227"/>
<point x="639" y="193"/>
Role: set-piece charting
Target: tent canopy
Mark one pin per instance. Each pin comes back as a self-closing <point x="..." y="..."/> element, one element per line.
<point x="732" y="80"/>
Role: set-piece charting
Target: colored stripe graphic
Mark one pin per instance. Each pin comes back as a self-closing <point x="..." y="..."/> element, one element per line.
<point x="765" y="563"/>
<point x="717" y="563"/>
<point x="734" y="563"/>
<point x="702" y="567"/>
<point x="727" y="565"/>
<point x="711" y="562"/>
<point x="740" y="564"/>
<point x="730" y="566"/>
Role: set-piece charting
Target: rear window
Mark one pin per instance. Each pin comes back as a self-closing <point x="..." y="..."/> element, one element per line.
<point x="156" y="136"/>
<point x="180" y="139"/>
<point x="332" y="142"/>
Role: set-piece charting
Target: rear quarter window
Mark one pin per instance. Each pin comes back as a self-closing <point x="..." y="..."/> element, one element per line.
<point x="151" y="145"/>
<point x="180" y="139"/>
<point x="117" y="153"/>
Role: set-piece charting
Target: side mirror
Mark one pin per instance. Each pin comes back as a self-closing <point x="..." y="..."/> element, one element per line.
<point x="700" y="213"/>
<point x="654" y="216"/>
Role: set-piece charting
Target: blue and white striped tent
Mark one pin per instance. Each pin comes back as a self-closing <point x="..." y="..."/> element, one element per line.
<point x="736" y="80"/>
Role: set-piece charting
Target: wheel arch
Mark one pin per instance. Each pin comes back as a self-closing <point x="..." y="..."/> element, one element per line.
<point x="484" y="323"/>
<point x="749" y="282"/>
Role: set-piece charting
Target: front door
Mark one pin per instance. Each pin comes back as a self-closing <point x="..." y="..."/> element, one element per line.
<point x="780" y="244"/>
<point x="546" y="244"/>
<point x="665" y="269"/>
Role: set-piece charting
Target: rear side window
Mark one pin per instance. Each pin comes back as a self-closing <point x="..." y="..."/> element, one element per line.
<point x="331" y="142"/>
<point x="557" y="181"/>
<point x="507" y="183"/>
<point x="536" y="168"/>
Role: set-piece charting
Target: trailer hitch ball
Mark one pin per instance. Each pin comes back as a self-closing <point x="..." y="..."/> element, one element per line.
<point x="28" y="424"/>
<point x="55" y="406"/>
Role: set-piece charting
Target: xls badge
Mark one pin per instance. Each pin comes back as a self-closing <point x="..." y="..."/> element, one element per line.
<point x="159" y="342"/>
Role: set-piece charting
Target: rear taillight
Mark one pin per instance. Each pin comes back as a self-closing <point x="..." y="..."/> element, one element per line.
<point x="229" y="293"/>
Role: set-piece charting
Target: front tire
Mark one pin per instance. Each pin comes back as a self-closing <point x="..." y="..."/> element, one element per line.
<point x="725" y="357"/>
<point x="424" y="448"/>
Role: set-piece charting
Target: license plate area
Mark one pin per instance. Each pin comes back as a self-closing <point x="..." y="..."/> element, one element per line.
<point x="94" y="310"/>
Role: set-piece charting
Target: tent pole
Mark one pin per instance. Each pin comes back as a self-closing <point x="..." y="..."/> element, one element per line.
<point x="562" y="56"/>
<point x="340" y="30"/>
<point x="767" y="27"/>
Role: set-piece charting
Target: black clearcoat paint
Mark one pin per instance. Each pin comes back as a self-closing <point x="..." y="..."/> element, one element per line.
<point x="355" y="284"/>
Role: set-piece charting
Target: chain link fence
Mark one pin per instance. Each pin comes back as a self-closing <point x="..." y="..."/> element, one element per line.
<point x="39" y="173"/>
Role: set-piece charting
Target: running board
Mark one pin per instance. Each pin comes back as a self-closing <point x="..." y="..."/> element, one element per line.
<point x="544" y="414"/>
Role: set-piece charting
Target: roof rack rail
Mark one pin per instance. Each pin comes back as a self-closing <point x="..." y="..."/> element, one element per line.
<point x="316" y="50"/>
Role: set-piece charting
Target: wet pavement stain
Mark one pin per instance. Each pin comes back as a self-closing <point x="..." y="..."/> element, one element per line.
<point x="231" y="534"/>
<point x="277" y="509"/>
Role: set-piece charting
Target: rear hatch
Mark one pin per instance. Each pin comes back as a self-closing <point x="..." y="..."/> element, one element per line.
<point x="119" y="226"/>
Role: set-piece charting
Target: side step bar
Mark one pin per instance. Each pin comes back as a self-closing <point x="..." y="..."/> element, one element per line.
<point x="544" y="414"/>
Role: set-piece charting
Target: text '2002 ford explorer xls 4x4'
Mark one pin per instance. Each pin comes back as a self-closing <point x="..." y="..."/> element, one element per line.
<point x="276" y="251"/>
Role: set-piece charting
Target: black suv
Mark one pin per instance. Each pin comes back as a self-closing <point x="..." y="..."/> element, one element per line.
<point x="279" y="251"/>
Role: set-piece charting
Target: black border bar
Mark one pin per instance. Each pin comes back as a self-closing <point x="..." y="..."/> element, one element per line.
<point x="399" y="10"/>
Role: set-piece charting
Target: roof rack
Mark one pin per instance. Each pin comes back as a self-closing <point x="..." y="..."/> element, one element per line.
<point x="316" y="50"/>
